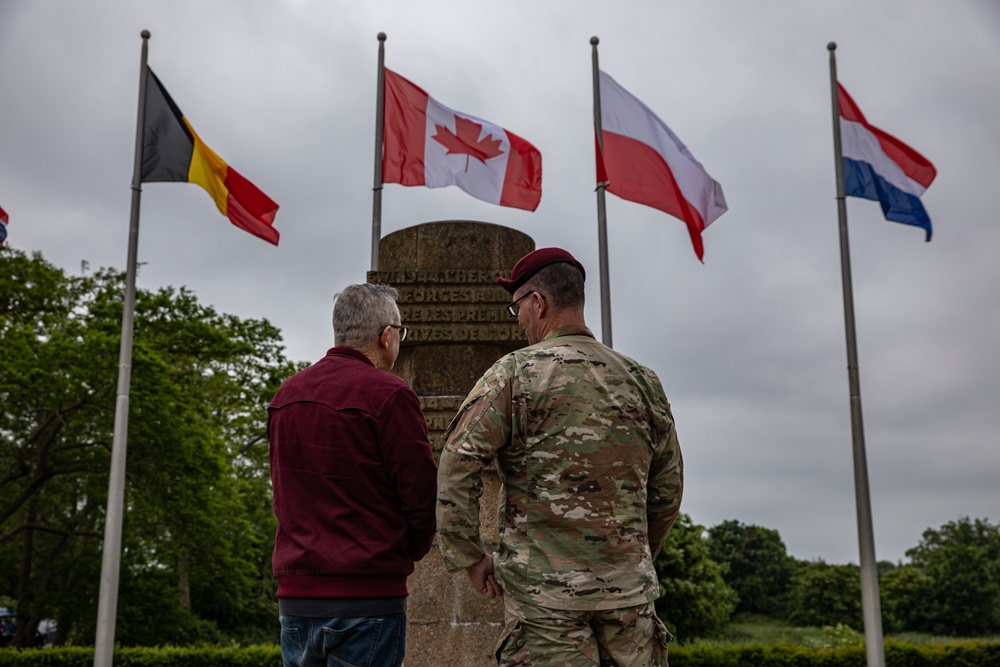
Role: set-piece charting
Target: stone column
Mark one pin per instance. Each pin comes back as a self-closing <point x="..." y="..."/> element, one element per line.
<point x="448" y="295"/>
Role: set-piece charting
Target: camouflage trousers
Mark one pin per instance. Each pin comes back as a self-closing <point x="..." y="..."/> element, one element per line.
<point x="536" y="636"/>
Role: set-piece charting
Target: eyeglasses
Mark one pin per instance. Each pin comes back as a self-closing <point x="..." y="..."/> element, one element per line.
<point x="403" y="330"/>
<point x="512" y="307"/>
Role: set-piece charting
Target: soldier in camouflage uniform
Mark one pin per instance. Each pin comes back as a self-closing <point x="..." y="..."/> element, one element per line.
<point x="592" y="477"/>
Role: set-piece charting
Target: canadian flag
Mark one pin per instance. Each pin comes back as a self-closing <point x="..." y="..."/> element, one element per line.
<point x="426" y="143"/>
<point x="643" y="161"/>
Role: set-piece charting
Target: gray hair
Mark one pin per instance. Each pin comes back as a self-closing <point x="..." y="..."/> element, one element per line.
<point x="360" y="312"/>
<point x="561" y="284"/>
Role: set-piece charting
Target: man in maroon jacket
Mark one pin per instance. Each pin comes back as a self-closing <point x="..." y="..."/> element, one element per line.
<point x="354" y="488"/>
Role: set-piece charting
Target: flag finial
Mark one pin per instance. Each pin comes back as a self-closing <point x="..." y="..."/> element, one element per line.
<point x="144" y="34"/>
<point x="594" y="41"/>
<point x="381" y="37"/>
<point x="832" y="46"/>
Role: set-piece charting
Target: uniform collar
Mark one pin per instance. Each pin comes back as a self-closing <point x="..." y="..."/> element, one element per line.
<point x="569" y="330"/>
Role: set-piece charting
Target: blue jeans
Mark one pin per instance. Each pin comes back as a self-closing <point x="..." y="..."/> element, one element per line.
<point x="372" y="641"/>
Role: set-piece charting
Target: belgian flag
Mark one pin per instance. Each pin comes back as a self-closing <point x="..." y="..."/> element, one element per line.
<point x="173" y="152"/>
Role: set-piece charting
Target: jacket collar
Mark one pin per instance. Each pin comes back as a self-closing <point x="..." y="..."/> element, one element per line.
<point x="341" y="351"/>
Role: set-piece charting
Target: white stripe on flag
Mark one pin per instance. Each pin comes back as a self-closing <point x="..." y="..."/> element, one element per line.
<point x="858" y="143"/>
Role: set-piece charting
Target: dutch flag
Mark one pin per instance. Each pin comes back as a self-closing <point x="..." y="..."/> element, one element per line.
<point x="880" y="167"/>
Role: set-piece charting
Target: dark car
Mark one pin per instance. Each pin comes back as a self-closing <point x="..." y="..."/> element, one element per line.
<point x="8" y="626"/>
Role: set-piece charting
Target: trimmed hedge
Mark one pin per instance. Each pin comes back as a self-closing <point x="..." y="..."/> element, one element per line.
<point x="208" y="656"/>
<point x="897" y="654"/>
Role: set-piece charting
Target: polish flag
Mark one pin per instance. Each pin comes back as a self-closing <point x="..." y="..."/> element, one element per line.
<point x="880" y="167"/>
<point x="426" y="143"/>
<point x="643" y="161"/>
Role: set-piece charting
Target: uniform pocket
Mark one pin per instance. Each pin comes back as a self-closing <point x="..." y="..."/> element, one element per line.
<point x="661" y="631"/>
<point x="480" y="391"/>
<point x="510" y="642"/>
<point x="661" y="637"/>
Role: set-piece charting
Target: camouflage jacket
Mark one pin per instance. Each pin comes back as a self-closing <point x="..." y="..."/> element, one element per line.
<point x="591" y="474"/>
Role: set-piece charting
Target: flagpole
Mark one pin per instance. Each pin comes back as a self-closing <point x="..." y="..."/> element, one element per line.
<point x="377" y="187"/>
<point x="869" y="570"/>
<point x="602" y="217"/>
<point x="107" y="605"/>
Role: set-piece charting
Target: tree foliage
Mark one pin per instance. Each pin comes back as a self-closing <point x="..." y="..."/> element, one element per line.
<point x="952" y="585"/>
<point x="695" y="600"/>
<point x="198" y="526"/>
<point x="823" y="594"/>
<point x="758" y="568"/>
<point x="904" y="605"/>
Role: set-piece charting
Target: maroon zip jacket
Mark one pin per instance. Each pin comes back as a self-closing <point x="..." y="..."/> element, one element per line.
<point x="353" y="480"/>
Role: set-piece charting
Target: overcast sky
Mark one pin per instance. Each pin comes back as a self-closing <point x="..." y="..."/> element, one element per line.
<point x="750" y="345"/>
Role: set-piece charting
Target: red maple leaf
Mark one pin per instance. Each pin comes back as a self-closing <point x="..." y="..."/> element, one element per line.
<point x="466" y="141"/>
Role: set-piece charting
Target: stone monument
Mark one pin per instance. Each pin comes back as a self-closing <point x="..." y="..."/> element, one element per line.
<point x="449" y="298"/>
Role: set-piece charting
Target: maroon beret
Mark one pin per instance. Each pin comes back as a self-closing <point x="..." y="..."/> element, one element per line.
<point x="534" y="262"/>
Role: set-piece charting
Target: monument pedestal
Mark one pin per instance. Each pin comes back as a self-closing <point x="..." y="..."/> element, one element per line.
<point x="446" y="275"/>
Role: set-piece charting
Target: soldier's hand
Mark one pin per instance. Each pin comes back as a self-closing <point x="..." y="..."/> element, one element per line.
<point x="482" y="577"/>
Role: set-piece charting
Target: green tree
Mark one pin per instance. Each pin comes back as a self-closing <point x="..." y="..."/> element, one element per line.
<point x="695" y="600"/>
<point x="54" y="433"/>
<point x="905" y="595"/>
<point x="884" y="567"/>
<point x="196" y="541"/>
<point x="758" y="567"/>
<point x="825" y="595"/>
<point x="960" y="582"/>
